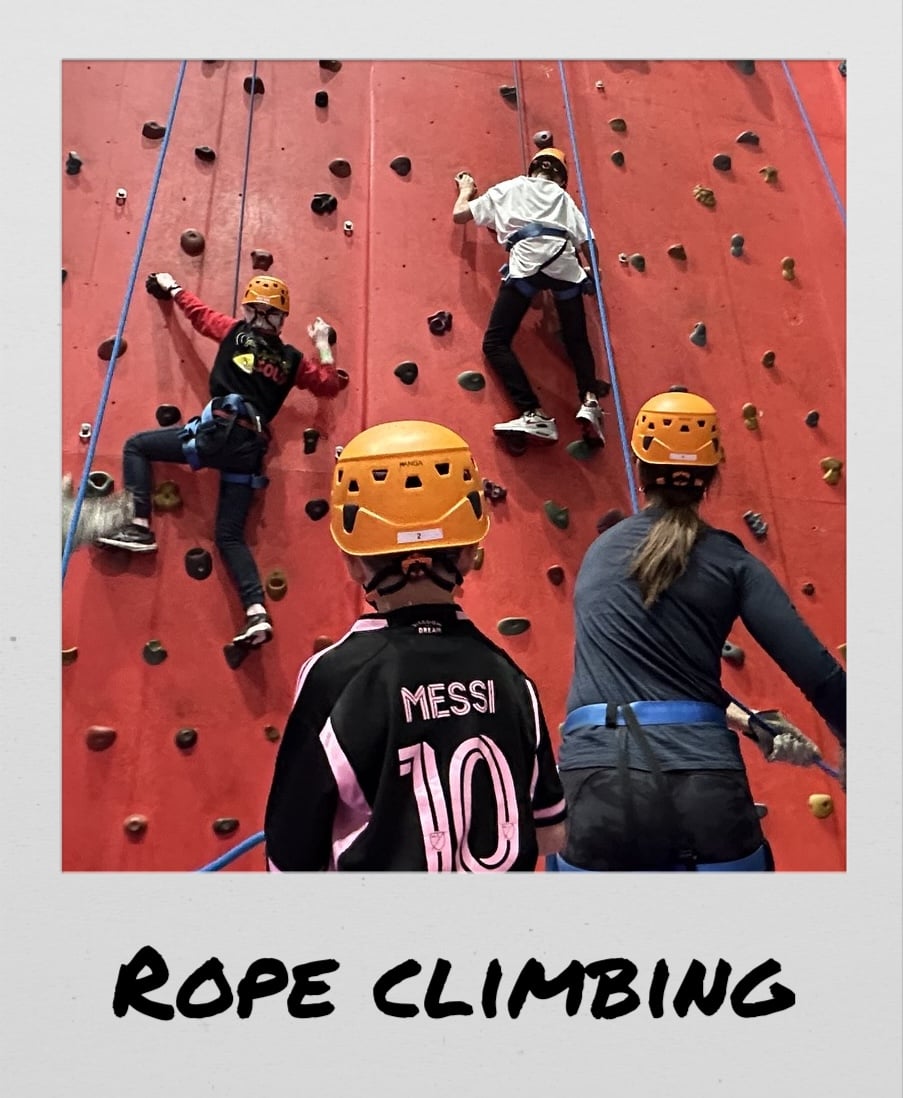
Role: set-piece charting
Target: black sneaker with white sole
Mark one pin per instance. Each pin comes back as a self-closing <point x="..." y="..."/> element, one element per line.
<point x="134" y="538"/>
<point x="258" y="630"/>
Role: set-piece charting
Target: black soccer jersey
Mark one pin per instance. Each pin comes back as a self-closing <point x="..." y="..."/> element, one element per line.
<point x="414" y="743"/>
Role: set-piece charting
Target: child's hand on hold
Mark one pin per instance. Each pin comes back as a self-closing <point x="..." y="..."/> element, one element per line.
<point x="322" y="335"/>
<point x="466" y="182"/>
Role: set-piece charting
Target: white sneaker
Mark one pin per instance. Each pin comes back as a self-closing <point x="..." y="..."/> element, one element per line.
<point x="531" y="423"/>
<point x="591" y="416"/>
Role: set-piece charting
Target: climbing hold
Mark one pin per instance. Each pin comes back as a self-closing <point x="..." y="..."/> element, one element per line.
<point x="271" y="732"/>
<point x="617" y="157"/>
<point x="600" y="86"/>
<point x="167" y="415"/>
<point x="756" y="523"/>
<point x="808" y="588"/>
<point x="331" y="66"/>
<point x="746" y="67"/>
<point x="73" y="163"/>
<point x="65" y="274"/>
<point x="235" y="654"/>
<point x="787" y="268"/>
<point x="842" y="68"/>
<point x="698" y="335"/>
<point x="322" y="642"/>
<point x="84" y="432"/>
<point x="677" y="251"/>
<point x="167" y="496"/>
<point x="135" y="825"/>
<point x="678" y="389"/>
<point x="153" y="130"/>
<point x="401" y="165"/>
<point x="722" y="162"/>
<point x="406" y="372"/>
<point x="321" y="99"/>
<point x="732" y="653"/>
<point x="821" y="805"/>
<point x="154" y="653"/>
<point x="192" y="242"/>
<point x="277" y="584"/>
<point x="832" y="468"/>
<point x="121" y="195"/>
<point x="323" y="203"/>
<point x="98" y="738"/>
<point x="580" y="449"/>
<point x="737" y="243"/>
<point x="348" y="228"/>
<point x="618" y="125"/>
<point x="623" y="258"/>
<point x="495" y="493"/>
<point x="340" y="168"/>
<point x="704" y="195"/>
<point x="555" y="574"/>
<point x="261" y="260"/>
<point x="556" y="514"/>
<point x="440" y="323"/>
<point x="637" y="261"/>
<point x="542" y="139"/>
<point x="225" y="825"/>
<point x="99" y="484"/>
<point x="611" y="518"/>
<point x="511" y="627"/>
<point x="842" y="649"/>
<point x="768" y="359"/>
<point x="253" y="85"/>
<point x="751" y="416"/>
<point x="508" y="92"/>
<point x="761" y="809"/>
<point x="748" y="137"/>
<point x="478" y="557"/>
<point x="812" y="418"/>
<point x="205" y="153"/>
<point x="769" y="173"/>
<point x="198" y="563"/>
<point x="70" y="655"/>
<point x="343" y="379"/>
<point x="311" y="437"/>
<point x="472" y="380"/>
<point x="105" y="350"/>
<point x="186" y="738"/>
<point x="316" y="509"/>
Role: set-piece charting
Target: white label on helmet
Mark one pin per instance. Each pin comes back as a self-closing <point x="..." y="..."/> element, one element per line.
<point x="682" y="457"/>
<point x="407" y="536"/>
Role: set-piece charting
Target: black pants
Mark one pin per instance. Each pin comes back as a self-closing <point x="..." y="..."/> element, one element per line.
<point x="231" y="511"/>
<point x="509" y="310"/>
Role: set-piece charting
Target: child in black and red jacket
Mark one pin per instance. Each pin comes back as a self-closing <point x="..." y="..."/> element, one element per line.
<point x="252" y="375"/>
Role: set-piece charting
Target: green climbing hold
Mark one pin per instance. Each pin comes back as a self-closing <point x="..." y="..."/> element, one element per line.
<point x="512" y="627"/>
<point x="557" y="514"/>
<point x="579" y="449"/>
<point x="272" y="733"/>
<point x="472" y="380"/>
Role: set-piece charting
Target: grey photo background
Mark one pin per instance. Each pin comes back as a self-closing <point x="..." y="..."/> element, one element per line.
<point x="837" y="937"/>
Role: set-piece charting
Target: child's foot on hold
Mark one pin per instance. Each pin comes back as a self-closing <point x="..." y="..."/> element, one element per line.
<point x="134" y="537"/>
<point x="589" y="414"/>
<point x="530" y="423"/>
<point x="258" y="630"/>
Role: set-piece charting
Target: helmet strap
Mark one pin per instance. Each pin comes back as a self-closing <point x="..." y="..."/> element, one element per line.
<point x="412" y="568"/>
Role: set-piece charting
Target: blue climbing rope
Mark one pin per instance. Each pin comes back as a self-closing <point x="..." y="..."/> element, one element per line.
<point x="244" y="188"/>
<point x="105" y="393"/>
<point x="230" y="855"/>
<point x="622" y="431"/>
<point x="824" y="166"/>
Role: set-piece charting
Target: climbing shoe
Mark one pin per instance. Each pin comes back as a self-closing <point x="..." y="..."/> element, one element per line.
<point x="258" y="630"/>
<point x="134" y="538"/>
<point x="589" y="416"/>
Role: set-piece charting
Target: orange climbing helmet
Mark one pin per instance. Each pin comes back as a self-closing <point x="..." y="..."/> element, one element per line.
<point x="406" y="486"/>
<point x="550" y="154"/>
<point x="264" y="290"/>
<point x="677" y="428"/>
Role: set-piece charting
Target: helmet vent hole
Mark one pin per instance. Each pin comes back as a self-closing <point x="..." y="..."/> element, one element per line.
<point x="349" y="517"/>
<point x="413" y="482"/>
<point x="667" y="422"/>
<point x="685" y="427"/>
<point x="380" y="474"/>
<point x="651" y="425"/>
<point x="476" y="502"/>
<point x="340" y="474"/>
<point x="353" y="486"/>
<point x="700" y="423"/>
<point x="443" y="468"/>
<point x="468" y="475"/>
<point x="647" y="442"/>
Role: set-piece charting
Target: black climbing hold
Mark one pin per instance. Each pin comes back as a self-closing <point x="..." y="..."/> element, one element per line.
<point x="808" y="588"/>
<point x="756" y="523"/>
<point x="73" y="164"/>
<point x="542" y="139"/>
<point x="611" y="518"/>
<point x="698" y="335"/>
<point x="205" y="153"/>
<point x="733" y="653"/>
<point x="65" y="274"/>
<point x="556" y="514"/>
<point x="98" y="738"/>
<point x="401" y="165"/>
<point x="472" y="380"/>
<point x="761" y="809"/>
<point x="495" y="493"/>
<point x="618" y="125"/>
<point x="768" y="359"/>
<point x="331" y="337"/>
<point x="555" y="575"/>
<point x="340" y="168"/>
<point x="153" y="130"/>
<point x="105" y="350"/>
<point x="737" y="242"/>
<point x="225" y="825"/>
<point x="637" y="261"/>
<point x="440" y="323"/>
<point x="235" y="654"/>
<point x="331" y="66"/>
<point x="208" y="62"/>
<point x="316" y="509"/>
<point x="324" y="203"/>
<point x="842" y="68"/>
<point x="192" y="242"/>
<point x="261" y="260"/>
<point x="167" y="415"/>
<point x="677" y="251"/>
<point x="406" y="372"/>
<point x="812" y="418"/>
<point x="198" y="563"/>
<point x="748" y="68"/>
<point x="272" y="733"/>
<point x="508" y="92"/>
<point x="343" y="378"/>
<point x="186" y="738"/>
<point x="277" y="585"/>
<point x="69" y="656"/>
<point x="512" y="627"/>
<point x="311" y="437"/>
<point x="154" y="653"/>
<point x="321" y="99"/>
<point x="748" y="137"/>
<point x="722" y="162"/>
<point x="254" y="85"/>
<point x="678" y="389"/>
<point x="617" y="157"/>
<point x="99" y="484"/>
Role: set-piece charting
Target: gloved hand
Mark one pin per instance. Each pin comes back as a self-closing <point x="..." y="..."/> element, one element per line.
<point x="323" y="336"/>
<point x="787" y="744"/>
<point x="162" y="286"/>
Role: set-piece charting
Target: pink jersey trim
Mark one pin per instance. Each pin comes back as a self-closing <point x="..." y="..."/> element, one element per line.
<point x="352" y="811"/>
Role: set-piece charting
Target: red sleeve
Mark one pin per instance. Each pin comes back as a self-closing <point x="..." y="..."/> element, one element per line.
<point x="206" y="321"/>
<point x="319" y="377"/>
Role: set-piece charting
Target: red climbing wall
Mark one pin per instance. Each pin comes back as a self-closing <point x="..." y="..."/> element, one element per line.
<point x="404" y="261"/>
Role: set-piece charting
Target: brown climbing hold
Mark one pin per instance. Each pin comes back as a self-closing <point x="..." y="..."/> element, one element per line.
<point x="440" y="323"/>
<point x="495" y="493"/>
<point x="677" y="251"/>
<point x="198" y="563"/>
<point x="768" y="359"/>
<point x="105" y="350"/>
<point x="311" y="438"/>
<point x="167" y="496"/>
<point x="513" y="627"/>
<point x="401" y="165"/>
<point x="205" y="153"/>
<point x="277" y="585"/>
<point x="751" y="416"/>
<point x="733" y="653"/>
<point x="343" y="379"/>
<point x="555" y="574"/>
<point x="821" y="805"/>
<point x="748" y="137"/>
<point x="558" y="516"/>
<point x="135" y="825"/>
<point x="261" y="260"/>
<point x="99" y="738"/>
<point x="842" y="649"/>
<point x="478" y="557"/>
<point x="192" y="242"/>
<point x="316" y="509"/>
<point x="787" y="268"/>
<point x="70" y="655"/>
<point x="330" y="66"/>
<point x="271" y="732"/>
<point x="508" y="92"/>
<point x="186" y="738"/>
<point x="225" y="825"/>
<point x="253" y="85"/>
<point x="721" y="162"/>
<point x="542" y="139"/>
<point x="340" y="168"/>
<point x="617" y="158"/>
<point x="167" y="414"/>
<point x="808" y="588"/>
<point x="153" y="130"/>
<point x="618" y="125"/>
<point x="154" y="653"/>
<point x="769" y="173"/>
<point x="406" y="372"/>
<point x="704" y="195"/>
<point x="322" y="642"/>
<point x="832" y="468"/>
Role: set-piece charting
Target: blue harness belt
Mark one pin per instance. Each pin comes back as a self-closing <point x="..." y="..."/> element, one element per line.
<point x="646" y="712"/>
<point x="757" y="862"/>
<point x="234" y="406"/>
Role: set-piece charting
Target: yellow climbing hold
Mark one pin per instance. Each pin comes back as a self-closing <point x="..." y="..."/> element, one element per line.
<point x="821" y="805"/>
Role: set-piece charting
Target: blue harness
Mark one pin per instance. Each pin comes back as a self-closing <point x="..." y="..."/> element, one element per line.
<point x="207" y="423"/>
<point x="757" y="862"/>
<point x="646" y="712"/>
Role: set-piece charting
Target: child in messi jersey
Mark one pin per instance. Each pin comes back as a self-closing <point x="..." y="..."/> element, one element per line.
<point x="414" y="743"/>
